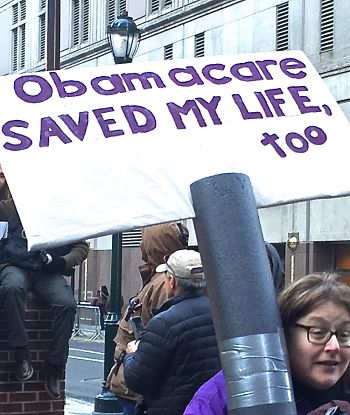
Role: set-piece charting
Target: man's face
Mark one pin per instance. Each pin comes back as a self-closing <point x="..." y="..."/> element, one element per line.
<point x="169" y="285"/>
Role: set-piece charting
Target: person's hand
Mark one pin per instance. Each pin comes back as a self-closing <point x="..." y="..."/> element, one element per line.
<point x="343" y="405"/>
<point x="55" y="264"/>
<point x="132" y="346"/>
<point x="321" y="410"/>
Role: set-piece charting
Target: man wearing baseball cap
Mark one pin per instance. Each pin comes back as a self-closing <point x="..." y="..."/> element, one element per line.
<point x="158" y="242"/>
<point x="178" y="350"/>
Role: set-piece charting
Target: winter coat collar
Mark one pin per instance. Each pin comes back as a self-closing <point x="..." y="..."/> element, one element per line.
<point x="184" y="295"/>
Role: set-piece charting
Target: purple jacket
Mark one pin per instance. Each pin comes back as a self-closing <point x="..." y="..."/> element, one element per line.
<point x="211" y="399"/>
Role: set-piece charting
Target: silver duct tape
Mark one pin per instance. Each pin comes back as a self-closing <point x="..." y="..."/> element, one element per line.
<point x="255" y="370"/>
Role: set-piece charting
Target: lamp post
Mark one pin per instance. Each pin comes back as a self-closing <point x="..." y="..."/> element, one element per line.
<point x="53" y="32"/>
<point x="123" y="38"/>
<point x="292" y="243"/>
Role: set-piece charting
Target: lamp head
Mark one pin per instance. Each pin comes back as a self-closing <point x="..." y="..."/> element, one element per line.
<point x="123" y="38"/>
<point x="292" y="242"/>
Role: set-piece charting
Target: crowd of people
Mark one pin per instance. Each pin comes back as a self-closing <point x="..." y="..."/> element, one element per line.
<point x="158" y="242"/>
<point x="174" y="367"/>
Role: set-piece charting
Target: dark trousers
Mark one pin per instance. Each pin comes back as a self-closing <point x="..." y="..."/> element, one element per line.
<point x="52" y="289"/>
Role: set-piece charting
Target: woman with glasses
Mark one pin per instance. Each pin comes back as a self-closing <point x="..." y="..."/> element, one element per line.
<point x="315" y="313"/>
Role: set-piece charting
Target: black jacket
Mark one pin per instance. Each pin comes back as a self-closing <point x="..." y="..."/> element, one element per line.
<point x="308" y="399"/>
<point x="176" y="355"/>
<point x="14" y="251"/>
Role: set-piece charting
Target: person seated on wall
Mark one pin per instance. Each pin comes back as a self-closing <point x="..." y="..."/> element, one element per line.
<point x="42" y="273"/>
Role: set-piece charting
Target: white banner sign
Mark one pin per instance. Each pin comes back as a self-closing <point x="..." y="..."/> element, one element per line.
<point x="94" y="151"/>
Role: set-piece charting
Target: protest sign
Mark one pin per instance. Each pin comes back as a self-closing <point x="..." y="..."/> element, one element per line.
<point x="93" y="151"/>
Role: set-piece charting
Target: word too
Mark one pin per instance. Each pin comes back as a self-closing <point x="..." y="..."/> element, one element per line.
<point x="296" y="142"/>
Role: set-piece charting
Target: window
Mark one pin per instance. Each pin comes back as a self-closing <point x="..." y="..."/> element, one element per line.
<point x="199" y="45"/>
<point x="154" y="5"/>
<point x="42" y="29"/>
<point x="131" y="239"/>
<point x="113" y="9"/>
<point x="80" y="21"/>
<point x="327" y="25"/>
<point x="168" y="52"/>
<point x="122" y="6"/>
<point x="18" y="35"/>
<point x="282" y="26"/>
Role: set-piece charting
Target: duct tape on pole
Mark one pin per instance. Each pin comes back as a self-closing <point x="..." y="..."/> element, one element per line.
<point x="242" y="296"/>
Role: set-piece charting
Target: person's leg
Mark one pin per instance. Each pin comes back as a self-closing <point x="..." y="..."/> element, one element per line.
<point x="14" y="286"/>
<point x="58" y="294"/>
<point x="102" y="318"/>
<point x="55" y="291"/>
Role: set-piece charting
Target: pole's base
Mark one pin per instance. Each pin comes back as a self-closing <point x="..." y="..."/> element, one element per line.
<point x="107" y="403"/>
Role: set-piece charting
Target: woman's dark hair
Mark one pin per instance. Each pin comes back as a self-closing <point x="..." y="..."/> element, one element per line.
<point x="305" y="294"/>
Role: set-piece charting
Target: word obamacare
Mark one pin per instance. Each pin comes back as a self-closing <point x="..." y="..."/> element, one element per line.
<point x="109" y="85"/>
<point x="216" y="73"/>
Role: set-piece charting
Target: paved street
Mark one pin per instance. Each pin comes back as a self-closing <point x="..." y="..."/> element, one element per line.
<point x="84" y="375"/>
<point x="76" y="407"/>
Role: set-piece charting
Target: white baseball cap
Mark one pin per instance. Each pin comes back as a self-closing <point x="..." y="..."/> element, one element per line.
<point x="184" y="263"/>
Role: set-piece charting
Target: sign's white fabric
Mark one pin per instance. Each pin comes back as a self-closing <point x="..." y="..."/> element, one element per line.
<point x="93" y="151"/>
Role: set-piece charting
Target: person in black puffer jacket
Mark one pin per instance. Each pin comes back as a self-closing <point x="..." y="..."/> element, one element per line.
<point x="178" y="350"/>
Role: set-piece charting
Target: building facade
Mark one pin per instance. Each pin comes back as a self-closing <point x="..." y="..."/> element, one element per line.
<point x="172" y="29"/>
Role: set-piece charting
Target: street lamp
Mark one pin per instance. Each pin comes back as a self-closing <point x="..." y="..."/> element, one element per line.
<point x="123" y="37"/>
<point x="53" y="33"/>
<point x="292" y="243"/>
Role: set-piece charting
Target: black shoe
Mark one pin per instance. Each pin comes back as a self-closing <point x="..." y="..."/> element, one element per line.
<point x="24" y="370"/>
<point x="53" y="382"/>
<point x="53" y="386"/>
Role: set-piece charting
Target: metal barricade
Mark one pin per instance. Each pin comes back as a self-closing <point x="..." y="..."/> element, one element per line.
<point x="88" y="322"/>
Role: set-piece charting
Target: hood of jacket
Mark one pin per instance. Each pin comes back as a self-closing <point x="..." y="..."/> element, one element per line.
<point x="159" y="241"/>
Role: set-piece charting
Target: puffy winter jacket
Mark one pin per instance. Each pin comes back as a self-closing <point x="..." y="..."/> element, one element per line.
<point x="177" y="353"/>
<point x="158" y="241"/>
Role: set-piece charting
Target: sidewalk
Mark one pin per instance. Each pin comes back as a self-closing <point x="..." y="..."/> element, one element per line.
<point x="76" y="407"/>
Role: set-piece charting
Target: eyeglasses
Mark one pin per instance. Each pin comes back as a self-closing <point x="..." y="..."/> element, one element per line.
<point x="321" y="336"/>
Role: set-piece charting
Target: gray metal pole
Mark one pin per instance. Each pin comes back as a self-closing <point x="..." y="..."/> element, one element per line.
<point x="242" y="296"/>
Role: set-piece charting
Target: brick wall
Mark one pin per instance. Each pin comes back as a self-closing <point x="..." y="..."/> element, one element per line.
<point x="30" y="397"/>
